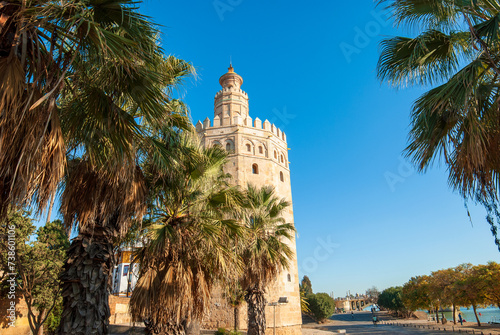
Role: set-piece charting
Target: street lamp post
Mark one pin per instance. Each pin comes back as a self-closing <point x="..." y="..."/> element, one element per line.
<point x="281" y="301"/>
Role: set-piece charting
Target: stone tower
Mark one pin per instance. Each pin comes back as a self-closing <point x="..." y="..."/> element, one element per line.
<point x="258" y="154"/>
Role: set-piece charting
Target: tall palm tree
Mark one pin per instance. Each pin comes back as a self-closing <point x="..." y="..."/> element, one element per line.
<point x="187" y="248"/>
<point x="44" y="47"/>
<point x="264" y="250"/>
<point x="84" y="80"/>
<point x="105" y="188"/>
<point x="100" y="201"/>
<point x="458" y="52"/>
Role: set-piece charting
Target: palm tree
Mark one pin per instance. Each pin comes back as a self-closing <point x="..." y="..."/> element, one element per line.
<point x="265" y="252"/>
<point x="186" y="251"/>
<point x="235" y="296"/>
<point x="105" y="188"/>
<point x="84" y="85"/>
<point x="44" y="48"/>
<point x="101" y="201"/>
<point x="458" y="50"/>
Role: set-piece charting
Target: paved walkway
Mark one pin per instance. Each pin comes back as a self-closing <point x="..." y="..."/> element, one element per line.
<point x="361" y="323"/>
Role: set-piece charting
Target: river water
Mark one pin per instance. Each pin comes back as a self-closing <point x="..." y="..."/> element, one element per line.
<point x="487" y="314"/>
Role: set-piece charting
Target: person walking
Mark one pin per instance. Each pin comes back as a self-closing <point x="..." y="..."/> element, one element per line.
<point x="352" y="315"/>
<point x="460" y="319"/>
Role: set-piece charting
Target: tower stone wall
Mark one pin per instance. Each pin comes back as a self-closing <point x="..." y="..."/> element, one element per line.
<point x="258" y="155"/>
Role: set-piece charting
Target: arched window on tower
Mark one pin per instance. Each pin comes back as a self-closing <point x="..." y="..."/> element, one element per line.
<point x="249" y="148"/>
<point x="214" y="143"/>
<point x="282" y="177"/>
<point x="255" y="169"/>
<point x="230" y="146"/>
<point x="275" y="155"/>
<point x="282" y="159"/>
<point x="289" y="278"/>
<point x="260" y="150"/>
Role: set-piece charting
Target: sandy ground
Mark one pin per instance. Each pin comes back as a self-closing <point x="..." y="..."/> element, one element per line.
<point x="360" y="324"/>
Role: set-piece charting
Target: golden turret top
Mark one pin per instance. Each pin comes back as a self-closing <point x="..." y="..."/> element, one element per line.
<point x="231" y="79"/>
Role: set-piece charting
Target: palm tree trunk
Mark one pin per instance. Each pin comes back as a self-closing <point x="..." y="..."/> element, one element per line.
<point x="193" y="327"/>
<point x="49" y="214"/>
<point x="170" y="328"/>
<point x="86" y="279"/>
<point x="256" y="312"/>
<point x="236" y="318"/>
<point x="475" y="313"/>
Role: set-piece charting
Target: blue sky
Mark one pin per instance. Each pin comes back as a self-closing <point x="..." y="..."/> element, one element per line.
<point x="364" y="216"/>
<point x="345" y="129"/>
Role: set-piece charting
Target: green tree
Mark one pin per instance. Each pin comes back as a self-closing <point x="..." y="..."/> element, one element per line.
<point x="471" y="288"/>
<point x="457" y="52"/>
<point x="189" y="240"/>
<point x="493" y="283"/>
<point x="392" y="299"/>
<point x="415" y="293"/>
<point x="265" y="251"/>
<point x="442" y="288"/>
<point x="306" y="286"/>
<point x="38" y="265"/>
<point x="322" y="306"/>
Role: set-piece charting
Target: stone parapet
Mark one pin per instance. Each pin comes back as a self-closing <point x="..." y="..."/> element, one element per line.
<point x="247" y="122"/>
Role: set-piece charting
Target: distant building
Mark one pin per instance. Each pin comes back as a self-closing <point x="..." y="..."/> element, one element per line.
<point x="125" y="273"/>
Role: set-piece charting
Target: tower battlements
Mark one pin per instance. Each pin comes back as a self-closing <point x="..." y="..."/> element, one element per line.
<point x="256" y="124"/>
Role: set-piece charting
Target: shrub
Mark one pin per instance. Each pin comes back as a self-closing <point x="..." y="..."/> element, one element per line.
<point x="321" y="305"/>
<point x="221" y="331"/>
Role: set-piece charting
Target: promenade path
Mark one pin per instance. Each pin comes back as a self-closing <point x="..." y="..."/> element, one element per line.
<point x="362" y="324"/>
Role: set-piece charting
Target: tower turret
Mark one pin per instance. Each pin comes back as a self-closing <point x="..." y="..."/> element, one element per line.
<point x="257" y="155"/>
<point x="231" y="101"/>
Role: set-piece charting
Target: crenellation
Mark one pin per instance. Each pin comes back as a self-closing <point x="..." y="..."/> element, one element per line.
<point x="199" y="126"/>
<point x="248" y="121"/>
<point x="257" y="123"/>
<point x="217" y="121"/>
<point x="267" y="125"/>
<point x="237" y="120"/>
<point x="206" y="123"/>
